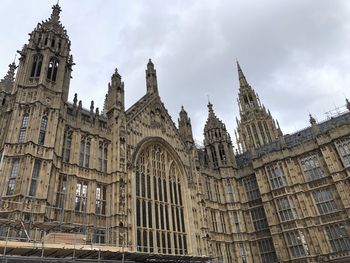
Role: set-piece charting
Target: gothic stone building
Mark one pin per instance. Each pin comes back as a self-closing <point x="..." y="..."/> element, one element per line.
<point x="129" y="184"/>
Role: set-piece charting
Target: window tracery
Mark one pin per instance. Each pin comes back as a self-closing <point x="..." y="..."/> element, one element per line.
<point x="159" y="203"/>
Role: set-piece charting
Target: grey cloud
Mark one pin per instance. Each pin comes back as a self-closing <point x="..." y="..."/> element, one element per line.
<point x="294" y="53"/>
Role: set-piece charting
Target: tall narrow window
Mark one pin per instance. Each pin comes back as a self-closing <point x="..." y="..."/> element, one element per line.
<point x="213" y="220"/>
<point x="42" y="132"/>
<point x="338" y="237"/>
<point x="223" y="222"/>
<point x="259" y="218"/>
<point x="35" y="176"/>
<point x="100" y="199"/>
<point x="214" y="156"/>
<point x="285" y="208"/>
<point x="67" y="144"/>
<point x="296" y="243"/>
<point x="81" y="192"/>
<point x="222" y="153"/>
<point x="324" y="201"/>
<point x="99" y="159"/>
<point x="208" y="185"/>
<point x="276" y="175"/>
<point x="23" y="129"/>
<point x="229" y="190"/>
<point x="84" y="157"/>
<point x="13" y="176"/>
<point x="61" y="191"/>
<point x="36" y="66"/>
<point x="99" y="236"/>
<point x="236" y="221"/>
<point x="105" y="158"/>
<point x="228" y="252"/>
<point x="343" y="147"/>
<point x="242" y="252"/>
<point x="52" y="69"/>
<point x="217" y="192"/>
<point x="311" y="167"/>
<point x="102" y="158"/>
<point x="267" y="251"/>
<point x="251" y="188"/>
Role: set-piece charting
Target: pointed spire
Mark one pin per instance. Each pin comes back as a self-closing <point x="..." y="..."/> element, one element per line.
<point x="253" y="112"/>
<point x="242" y="80"/>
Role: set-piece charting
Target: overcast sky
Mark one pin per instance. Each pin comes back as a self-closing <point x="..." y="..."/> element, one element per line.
<point x="294" y="53"/>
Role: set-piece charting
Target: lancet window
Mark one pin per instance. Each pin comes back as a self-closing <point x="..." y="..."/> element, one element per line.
<point x="36" y="66"/>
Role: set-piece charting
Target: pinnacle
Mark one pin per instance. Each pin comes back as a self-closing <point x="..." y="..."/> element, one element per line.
<point x="150" y="64"/>
<point x="56" y="10"/>
<point x="11" y="72"/>
<point x="213" y="121"/>
<point x="210" y="107"/>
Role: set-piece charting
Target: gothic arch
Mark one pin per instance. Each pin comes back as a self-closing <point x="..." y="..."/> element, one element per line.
<point x="159" y="183"/>
<point x="157" y="140"/>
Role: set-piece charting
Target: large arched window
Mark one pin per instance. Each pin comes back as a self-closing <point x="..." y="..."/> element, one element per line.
<point x="160" y="221"/>
<point x="52" y="70"/>
<point x="36" y="66"/>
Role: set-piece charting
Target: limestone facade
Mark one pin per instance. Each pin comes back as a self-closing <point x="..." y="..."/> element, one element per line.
<point x="132" y="180"/>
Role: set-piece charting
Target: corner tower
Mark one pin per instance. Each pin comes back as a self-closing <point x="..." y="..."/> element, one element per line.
<point x="34" y="108"/>
<point x="45" y="62"/>
<point x="256" y="127"/>
<point x="217" y="142"/>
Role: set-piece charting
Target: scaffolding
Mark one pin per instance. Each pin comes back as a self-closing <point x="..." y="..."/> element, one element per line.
<point x="28" y="233"/>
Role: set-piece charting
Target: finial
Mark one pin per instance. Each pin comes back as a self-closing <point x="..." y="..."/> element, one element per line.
<point x="150" y="64"/>
<point x="75" y="99"/>
<point x="92" y="106"/>
<point x="347" y="104"/>
<point x="55" y="15"/>
<point x="312" y="120"/>
<point x="14" y="59"/>
<point x="10" y="75"/>
<point x="210" y="107"/>
<point x="97" y="112"/>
